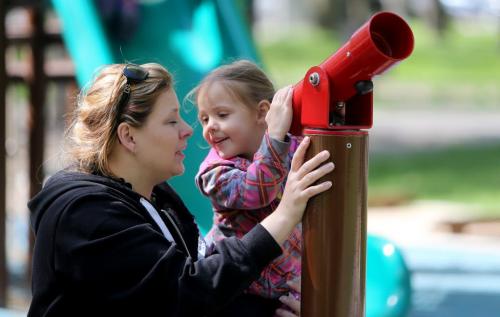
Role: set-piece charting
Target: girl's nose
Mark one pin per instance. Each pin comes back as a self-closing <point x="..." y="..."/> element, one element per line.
<point x="212" y="125"/>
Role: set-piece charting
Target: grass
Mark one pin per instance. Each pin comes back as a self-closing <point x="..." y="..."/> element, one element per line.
<point x="469" y="175"/>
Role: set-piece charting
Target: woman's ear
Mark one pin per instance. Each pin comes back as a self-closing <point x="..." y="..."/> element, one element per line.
<point x="126" y="137"/>
<point x="262" y="109"/>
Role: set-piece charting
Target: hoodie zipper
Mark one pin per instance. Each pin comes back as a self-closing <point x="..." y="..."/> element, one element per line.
<point x="177" y="230"/>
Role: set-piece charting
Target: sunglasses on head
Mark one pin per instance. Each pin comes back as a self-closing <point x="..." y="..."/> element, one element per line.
<point x="134" y="74"/>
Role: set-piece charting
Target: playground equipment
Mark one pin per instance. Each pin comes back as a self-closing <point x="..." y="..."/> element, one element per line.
<point x="387" y="279"/>
<point x="192" y="37"/>
<point x="332" y="104"/>
<point x="188" y="37"/>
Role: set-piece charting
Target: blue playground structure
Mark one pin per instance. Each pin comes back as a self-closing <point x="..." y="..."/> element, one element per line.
<point x="188" y="37"/>
<point x="191" y="37"/>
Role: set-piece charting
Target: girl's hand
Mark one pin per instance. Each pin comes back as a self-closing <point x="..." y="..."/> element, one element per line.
<point x="279" y="116"/>
<point x="292" y="301"/>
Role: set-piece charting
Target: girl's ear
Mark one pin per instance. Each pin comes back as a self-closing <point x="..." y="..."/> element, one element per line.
<point x="262" y="109"/>
<point x="126" y="136"/>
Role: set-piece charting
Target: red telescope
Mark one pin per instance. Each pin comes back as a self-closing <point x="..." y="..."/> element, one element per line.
<point x="337" y="95"/>
<point x="332" y="105"/>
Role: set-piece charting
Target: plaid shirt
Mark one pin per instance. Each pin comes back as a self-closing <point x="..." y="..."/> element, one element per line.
<point x="243" y="193"/>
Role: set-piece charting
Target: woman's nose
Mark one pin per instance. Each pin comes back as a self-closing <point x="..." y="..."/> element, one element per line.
<point x="186" y="130"/>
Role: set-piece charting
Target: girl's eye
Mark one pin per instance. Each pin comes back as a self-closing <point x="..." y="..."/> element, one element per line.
<point x="173" y="122"/>
<point x="203" y="120"/>
<point x="223" y="115"/>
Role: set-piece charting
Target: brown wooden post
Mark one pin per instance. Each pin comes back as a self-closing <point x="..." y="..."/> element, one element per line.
<point x="334" y="229"/>
<point x="37" y="86"/>
<point x="3" y="87"/>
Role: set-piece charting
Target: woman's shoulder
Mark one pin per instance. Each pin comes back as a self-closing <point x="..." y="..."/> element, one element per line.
<point x="76" y="196"/>
<point x="82" y="186"/>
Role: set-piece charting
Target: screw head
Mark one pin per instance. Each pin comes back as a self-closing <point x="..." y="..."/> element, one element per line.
<point x="348" y="145"/>
<point x="314" y="79"/>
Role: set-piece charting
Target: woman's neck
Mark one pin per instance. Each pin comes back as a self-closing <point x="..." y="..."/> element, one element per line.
<point x="123" y="167"/>
<point x="140" y="187"/>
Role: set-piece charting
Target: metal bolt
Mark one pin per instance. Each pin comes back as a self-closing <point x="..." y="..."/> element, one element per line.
<point x="348" y="145"/>
<point x="314" y="79"/>
<point x="340" y="104"/>
<point x="348" y="54"/>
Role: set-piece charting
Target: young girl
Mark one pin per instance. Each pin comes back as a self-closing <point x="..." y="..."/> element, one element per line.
<point x="245" y="171"/>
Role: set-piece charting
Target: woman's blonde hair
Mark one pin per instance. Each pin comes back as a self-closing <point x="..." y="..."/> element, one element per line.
<point x="243" y="79"/>
<point x="92" y="133"/>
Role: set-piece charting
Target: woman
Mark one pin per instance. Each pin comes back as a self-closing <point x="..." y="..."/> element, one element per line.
<point x="111" y="242"/>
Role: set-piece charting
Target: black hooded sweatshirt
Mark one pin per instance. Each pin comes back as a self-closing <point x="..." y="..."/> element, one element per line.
<point x="98" y="252"/>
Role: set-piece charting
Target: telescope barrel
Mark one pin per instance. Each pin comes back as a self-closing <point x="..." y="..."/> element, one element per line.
<point x="381" y="42"/>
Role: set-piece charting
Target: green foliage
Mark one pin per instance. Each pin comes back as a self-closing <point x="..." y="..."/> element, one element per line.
<point x="463" y="174"/>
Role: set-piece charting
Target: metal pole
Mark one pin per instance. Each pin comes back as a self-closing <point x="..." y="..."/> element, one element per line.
<point x="334" y="230"/>
<point x="37" y="85"/>
<point x="3" y="87"/>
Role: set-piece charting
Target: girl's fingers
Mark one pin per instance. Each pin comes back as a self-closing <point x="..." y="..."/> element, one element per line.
<point x="291" y="302"/>
<point x="289" y="95"/>
<point x="298" y="157"/>
<point x="295" y="284"/>
<point x="280" y="95"/>
<point x="284" y="313"/>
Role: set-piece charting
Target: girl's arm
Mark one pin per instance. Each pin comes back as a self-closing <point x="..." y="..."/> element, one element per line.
<point x="232" y="185"/>
<point x="239" y="185"/>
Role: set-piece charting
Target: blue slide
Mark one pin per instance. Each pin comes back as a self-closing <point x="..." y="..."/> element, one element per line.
<point x="188" y="37"/>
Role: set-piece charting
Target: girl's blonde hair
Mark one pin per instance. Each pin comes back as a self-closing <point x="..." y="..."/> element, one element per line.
<point x="92" y="133"/>
<point x="243" y="79"/>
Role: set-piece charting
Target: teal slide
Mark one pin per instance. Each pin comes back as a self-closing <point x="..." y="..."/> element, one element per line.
<point x="188" y="37"/>
<point x="191" y="37"/>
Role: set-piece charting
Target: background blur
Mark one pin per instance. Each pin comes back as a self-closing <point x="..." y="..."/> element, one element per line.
<point x="434" y="182"/>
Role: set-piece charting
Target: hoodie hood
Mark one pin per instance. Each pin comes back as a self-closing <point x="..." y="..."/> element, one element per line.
<point x="65" y="181"/>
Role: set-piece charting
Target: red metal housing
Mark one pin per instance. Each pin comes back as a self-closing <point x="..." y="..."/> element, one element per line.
<point x="328" y="91"/>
